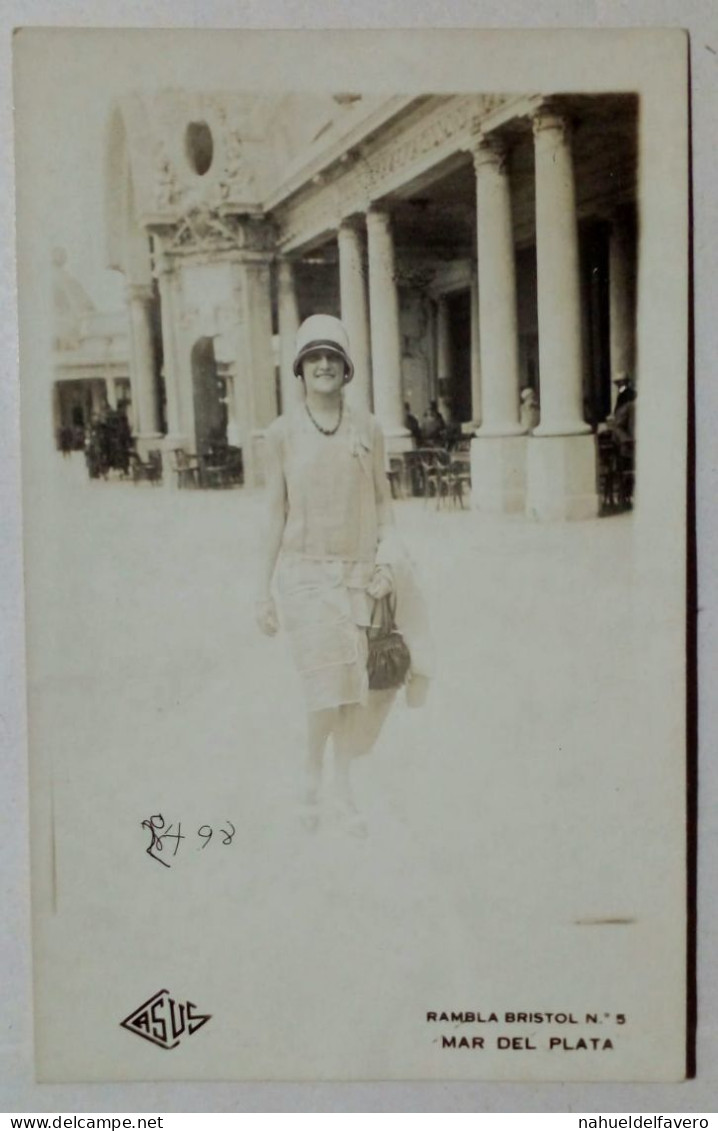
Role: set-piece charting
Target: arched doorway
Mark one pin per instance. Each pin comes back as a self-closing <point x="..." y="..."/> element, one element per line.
<point x="210" y="398"/>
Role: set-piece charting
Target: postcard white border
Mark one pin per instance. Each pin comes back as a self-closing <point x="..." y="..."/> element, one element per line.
<point x="18" y="1091"/>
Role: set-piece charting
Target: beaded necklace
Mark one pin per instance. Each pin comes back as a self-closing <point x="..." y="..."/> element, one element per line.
<point x="317" y="425"/>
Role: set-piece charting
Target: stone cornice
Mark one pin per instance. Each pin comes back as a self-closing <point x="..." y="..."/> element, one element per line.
<point x="382" y="116"/>
<point x="425" y="143"/>
<point x="100" y="366"/>
<point x="445" y="130"/>
<point x="512" y="108"/>
<point x="377" y="157"/>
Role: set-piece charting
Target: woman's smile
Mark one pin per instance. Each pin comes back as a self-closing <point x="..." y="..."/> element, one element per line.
<point x="324" y="371"/>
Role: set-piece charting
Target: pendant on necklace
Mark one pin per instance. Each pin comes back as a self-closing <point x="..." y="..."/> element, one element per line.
<point x="317" y="425"/>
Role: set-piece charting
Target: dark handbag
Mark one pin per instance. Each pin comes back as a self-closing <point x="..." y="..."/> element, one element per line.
<point x="389" y="660"/>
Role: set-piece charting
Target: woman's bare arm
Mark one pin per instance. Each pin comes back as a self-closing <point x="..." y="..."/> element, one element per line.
<point x="382" y="580"/>
<point x="275" y="520"/>
<point x="385" y="511"/>
<point x="271" y="542"/>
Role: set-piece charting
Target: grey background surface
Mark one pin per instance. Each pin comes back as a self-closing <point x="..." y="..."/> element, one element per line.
<point x="18" y="1092"/>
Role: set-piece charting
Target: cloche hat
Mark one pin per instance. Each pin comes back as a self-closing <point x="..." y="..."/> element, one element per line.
<point x="323" y="331"/>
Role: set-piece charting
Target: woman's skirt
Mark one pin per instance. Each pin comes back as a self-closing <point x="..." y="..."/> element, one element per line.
<point x="325" y="611"/>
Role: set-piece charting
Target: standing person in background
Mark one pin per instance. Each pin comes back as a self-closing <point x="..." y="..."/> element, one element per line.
<point x="412" y="425"/>
<point x="330" y="540"/>
<point x="530" y="412"/>
<point x="622" y="422"/>
<point x="625" y="390"/>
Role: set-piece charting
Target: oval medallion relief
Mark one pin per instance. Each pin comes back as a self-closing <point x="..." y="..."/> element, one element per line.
<point x="199" y="147"/>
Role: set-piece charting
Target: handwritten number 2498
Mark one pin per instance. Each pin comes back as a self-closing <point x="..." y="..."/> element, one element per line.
<point x="160" y="832"/>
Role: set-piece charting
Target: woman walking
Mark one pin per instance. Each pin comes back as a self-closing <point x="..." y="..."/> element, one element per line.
<point x="331" y="552"/>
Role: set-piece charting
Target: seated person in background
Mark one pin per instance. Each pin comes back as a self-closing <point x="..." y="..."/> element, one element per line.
<point x="452" y="435"/>
<point x="529" y="412"/>
<point x="433" y="425"/>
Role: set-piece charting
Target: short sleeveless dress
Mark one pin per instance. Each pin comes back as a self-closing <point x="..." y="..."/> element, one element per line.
<point x="328" y="550"/>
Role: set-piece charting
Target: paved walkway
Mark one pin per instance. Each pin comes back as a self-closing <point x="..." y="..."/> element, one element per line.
<point x="153" y="692"/>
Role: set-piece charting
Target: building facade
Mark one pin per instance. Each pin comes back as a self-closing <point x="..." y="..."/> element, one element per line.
<point x="91" y="365"/>
<point x="474" y="245"/>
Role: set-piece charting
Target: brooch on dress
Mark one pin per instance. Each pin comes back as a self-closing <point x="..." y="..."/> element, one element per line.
<point x="360" y="442"/>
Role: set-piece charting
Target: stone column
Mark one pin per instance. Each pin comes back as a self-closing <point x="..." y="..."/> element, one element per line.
<point x="355" y="311"/>
<point x="622" y="299"/>
<point x="97" y="399"/>
<point x="561" y="464"/>
<point x="288" y="312"/>
<point x="180" y="424"/>
<point x="385" y="332"/>
<point x="176" y="424"/>
<point x="256" y="360"/>
<point x="111" y="391"/>
<point x="497" y="292"/>
<point x="144" y="393"/>
<point x="443" y="354"/>
<point x="475" y="351"/>
<point x="559" y="292"/>
<point x="498" y="453"/>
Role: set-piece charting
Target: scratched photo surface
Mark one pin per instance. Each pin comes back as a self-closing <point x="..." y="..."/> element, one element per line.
<point x="487" y="881"/>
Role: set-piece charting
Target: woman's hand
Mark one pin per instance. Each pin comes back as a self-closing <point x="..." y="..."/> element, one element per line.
<point x="381" y="583"/>
<point x="266" y="616"/>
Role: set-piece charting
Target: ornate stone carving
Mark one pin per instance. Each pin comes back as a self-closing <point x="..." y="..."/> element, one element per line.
<point x="204" y="229"/>
<point x="167" y="191"/>
<point x="443" y="125"/>
<point x="238" y="181"/>
<point x="414" y="276"/>
<point x="420" y="140"/>
<point x="372" y="174"/>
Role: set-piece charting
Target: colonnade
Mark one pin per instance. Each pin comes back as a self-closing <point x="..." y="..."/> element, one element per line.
<point x="552" y="472"/>
<point x="553" y="475"/>
<point x="144" y="393"/>
<point x="549" y="474"/>
<point x="369" y="302"/>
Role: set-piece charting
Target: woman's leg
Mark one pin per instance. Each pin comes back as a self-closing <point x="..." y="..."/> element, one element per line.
<point x="319" y="726"/>
<point x="356" y="732"/>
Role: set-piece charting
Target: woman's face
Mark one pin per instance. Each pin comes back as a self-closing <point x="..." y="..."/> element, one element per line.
<point x="323" y="371"/>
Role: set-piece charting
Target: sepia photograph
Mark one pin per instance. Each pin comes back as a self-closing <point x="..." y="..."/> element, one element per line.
<point x="354" y="387"/>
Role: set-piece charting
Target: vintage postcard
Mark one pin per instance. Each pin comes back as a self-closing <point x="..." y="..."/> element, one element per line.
<point x="354" y="398"/>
